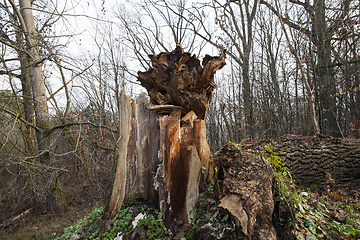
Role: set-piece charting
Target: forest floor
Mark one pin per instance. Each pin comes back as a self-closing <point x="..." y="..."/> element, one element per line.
<point x="325" y="215"/>
<point x="47" y="226"/>
<point x="328" y="214"/>
<point x="307" y="214"/>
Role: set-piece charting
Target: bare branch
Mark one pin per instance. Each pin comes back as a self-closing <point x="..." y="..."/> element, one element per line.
<point x="18" y="117"/>
<point x="79" y="124"/>
<point x="286" y="20"/>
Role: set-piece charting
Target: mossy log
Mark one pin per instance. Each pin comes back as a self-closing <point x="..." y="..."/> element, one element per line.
<point x="321" y="161"/>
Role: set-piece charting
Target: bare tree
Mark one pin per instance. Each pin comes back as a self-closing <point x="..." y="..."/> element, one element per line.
<point x="310" y="92"/>
<point x="157" y="26"/>
<point x="28" y="42"/>
<point x="320" y="22"/>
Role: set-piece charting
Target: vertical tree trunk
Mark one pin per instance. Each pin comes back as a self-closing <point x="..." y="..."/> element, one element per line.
<point x="42" y="116"/>
<point x="305" y="80"/>
<point x="309" y="91"/>
<point x="28" y="106"/>
<point x="169" y="148"/>
<point x="183" y="151"/>
<point x="36" y="73"/>
<point x="29" y="134"/>
<point x="247" y="96"/>
<point x="119" y="186"/>
<point x="322" y="40"/>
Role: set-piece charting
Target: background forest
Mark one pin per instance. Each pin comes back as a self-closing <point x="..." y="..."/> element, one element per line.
<point x="292" y="68"/>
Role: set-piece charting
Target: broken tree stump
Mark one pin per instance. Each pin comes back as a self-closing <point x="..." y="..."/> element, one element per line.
<point x="162" y="152"/>
<point x="136" y="158"/>
<point x="181" y="158"/>
<point x="117" y="196"/>
<point x="181" y="89"/>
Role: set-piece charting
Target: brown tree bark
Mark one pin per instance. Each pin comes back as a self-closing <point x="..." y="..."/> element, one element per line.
<point x="245" y="190"/>
<point x="36" y="73"/>
<point x="27" y="96"/>
<point x="42" y="116"/>
<point x="117" y="195"/>
<point x="314" y="161"/>
<point x="321" y="37"/>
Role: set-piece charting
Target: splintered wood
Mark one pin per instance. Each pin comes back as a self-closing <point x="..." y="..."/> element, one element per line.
<point x="181" y="89"/>
<point x="163" y="151"/>
<point x="177" y="78"/>
<point x="182" y="153"/>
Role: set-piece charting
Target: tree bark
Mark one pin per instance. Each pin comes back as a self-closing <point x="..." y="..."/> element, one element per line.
<point x="245" y="190"/>
<point x="27" y="95"/>
<point x="42" y="116"/>
<point x="326" y="84"/>
<point x="36" y="73"/>
<point x="311" y="160"/>
<point x="117" y="195"/>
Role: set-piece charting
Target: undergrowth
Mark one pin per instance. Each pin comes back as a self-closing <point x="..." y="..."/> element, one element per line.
<point x="88" y="227"/>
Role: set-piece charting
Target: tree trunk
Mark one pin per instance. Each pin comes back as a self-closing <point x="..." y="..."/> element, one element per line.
<point x="314" y="161"/>
<point x="27" y="96"/>
<point x="119" y="186"/>
<point x="245" y="190"/>
<point x="326" y="83"/>
<point x="42" y="116"/>
<point x="36" y="73"/>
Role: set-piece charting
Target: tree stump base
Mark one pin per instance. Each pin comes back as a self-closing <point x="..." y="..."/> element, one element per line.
<point x="180" y="161"/>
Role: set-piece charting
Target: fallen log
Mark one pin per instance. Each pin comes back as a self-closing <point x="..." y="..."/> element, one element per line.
<point x="317" y="161"/>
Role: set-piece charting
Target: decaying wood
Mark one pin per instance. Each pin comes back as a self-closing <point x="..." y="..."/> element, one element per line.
<point x="177" y="78"/>
<point x="160" y="158"/>
<point x="138" y="167"/>
<point x="118" y="191"/>
<point x="181" y="89"/>
<point x="162" y="151"/>
<point x="181" y="157"/>
<point x="246" y="191"/>
<point x="188" y="119"/>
